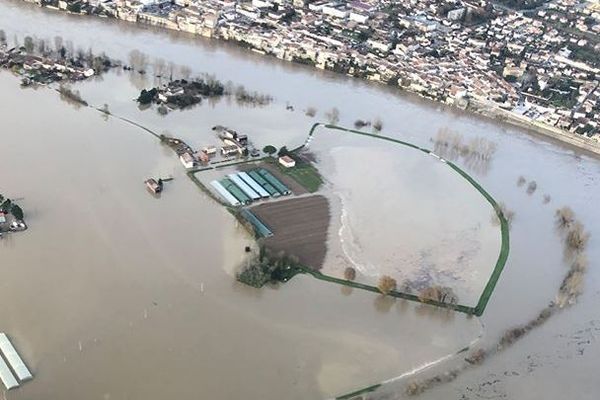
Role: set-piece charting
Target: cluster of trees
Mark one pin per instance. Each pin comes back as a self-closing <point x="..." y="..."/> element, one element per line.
<point x="443" y="294"/>
<point x="386" y="284"/>
<point x="269" y="149"/>
<point x="476" y="153"/>
<point x="71" y="96"/>
<point x="576" y="237"/>
<point x="7" y="206"/>
<point x="269" y="268"/>
<point x="147" y="96"/>
<point x="508" y="214"/>
<point x="283" y="151"/>
<point x="203" y="87"/>
<point x="311" y="111"/>
<point x="377" y="124"/>
<point x="243" y="96"/>
<point x="333" y="116"/>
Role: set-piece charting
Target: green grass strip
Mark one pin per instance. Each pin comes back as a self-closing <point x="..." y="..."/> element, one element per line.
<point x="358" y="392"/>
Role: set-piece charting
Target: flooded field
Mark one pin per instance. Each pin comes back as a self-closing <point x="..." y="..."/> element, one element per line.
<point x="109" y="281"/>
<point x="405" y="214"/>
<point x="112" y="293"/>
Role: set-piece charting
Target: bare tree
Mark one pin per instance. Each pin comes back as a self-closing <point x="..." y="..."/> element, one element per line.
<point x="311" y="112"/>
<point x="378" y="124"/>
<point x="386" y="284"/>
<point x="564" y="217"/>
<point x="508" y="215"/>
<point x="577" y="237"/>
<point x="333" y="116"/>
<point x="58" y="44"/>
<point x="547" y="199"/>
<point x="531" y="187"/>
<point x="349" y="274"/>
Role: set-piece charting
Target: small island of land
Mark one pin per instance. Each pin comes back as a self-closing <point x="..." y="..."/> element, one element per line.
<point x="11" y="216"/>
<point x="279" y="199"/>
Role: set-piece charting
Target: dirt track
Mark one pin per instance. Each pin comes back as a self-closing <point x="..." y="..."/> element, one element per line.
<point x="300" y="227"/>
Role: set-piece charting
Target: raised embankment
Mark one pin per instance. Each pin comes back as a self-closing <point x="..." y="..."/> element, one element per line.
<point x="504" y="247"/>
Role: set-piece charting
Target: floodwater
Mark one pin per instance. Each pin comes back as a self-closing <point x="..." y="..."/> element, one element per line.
<point x="114" y="294"/>
<point x="453" y="241"/>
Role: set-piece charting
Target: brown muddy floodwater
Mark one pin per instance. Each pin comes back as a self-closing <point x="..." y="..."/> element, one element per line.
<point x="405" y="214"/>
<point x="113" y="294"/>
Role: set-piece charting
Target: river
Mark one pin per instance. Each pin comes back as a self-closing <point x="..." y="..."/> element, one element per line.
<point x="113" y="294"/>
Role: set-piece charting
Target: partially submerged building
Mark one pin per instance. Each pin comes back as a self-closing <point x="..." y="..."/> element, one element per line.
<point x="188" y="160"/>
<point x="13" y="363"/>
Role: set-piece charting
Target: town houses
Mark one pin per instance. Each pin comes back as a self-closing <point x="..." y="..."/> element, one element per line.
<point x="540" y="64"/>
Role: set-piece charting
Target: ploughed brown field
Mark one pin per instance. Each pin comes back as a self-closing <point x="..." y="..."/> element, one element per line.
<point x="299" y="227"/>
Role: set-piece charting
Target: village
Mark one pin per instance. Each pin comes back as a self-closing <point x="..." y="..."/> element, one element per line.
<point x="231" y="148"/>
<point x="184" y="93"/>
<point x="537" y="61"/>
<point x="36" y="64"/>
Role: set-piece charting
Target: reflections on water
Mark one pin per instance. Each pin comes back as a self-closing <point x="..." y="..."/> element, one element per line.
<point x="405" y="214"/>
<point x="102" y="254"/>
<point x="134" y="278"/>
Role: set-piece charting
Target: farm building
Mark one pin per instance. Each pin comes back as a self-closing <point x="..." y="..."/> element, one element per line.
<point x="258" y="225"/>
<point x="13" y="363"/>
<point x="254" y="185"/>
<point x="225" y="193"/>
<point x="230" y="150"/>
<point x="153" y="185"/>
<point x="187" y="160"/>
<point x="203" y="157"/>
<point x="235" y="191"/>
<point x="245" y="188"/>
<point x="276" y="183"/>
<point x="287" y="161"/>
<point x="210" y="150"/>
<point x="262" y="182"/>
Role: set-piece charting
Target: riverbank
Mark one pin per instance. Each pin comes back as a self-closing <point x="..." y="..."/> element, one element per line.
<point x="306" y="331"/>
<point x="488" y="110"/>
<point x="173" y="300"/>
<point x="477" y="107"/>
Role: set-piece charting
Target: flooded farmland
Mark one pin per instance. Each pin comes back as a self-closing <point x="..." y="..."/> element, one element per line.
<point x="112" y="293"/>
<point x="405" y="214"/>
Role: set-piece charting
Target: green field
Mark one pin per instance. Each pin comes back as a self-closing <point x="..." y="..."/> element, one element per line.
<point x="306" y="175"/>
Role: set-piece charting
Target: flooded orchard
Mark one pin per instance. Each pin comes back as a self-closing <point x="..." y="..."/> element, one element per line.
<point x="112" y="293"/>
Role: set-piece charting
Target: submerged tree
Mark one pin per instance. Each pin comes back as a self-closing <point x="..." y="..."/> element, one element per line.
<point x="564" y="217"/>
<point x="311" y="111"/>
<point x="6" y="204"/>
<point x="386" y="284"/>
<point x="349" y="274"/>
<point x="442" y="294"/>
<point x="333" y="116"/>
<point x="378" y="124"/>
<point x="531" y="187"/>
<point x="270" y="150"/>
<point x="17" y="212"/>
<point x="577" y="237"/>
